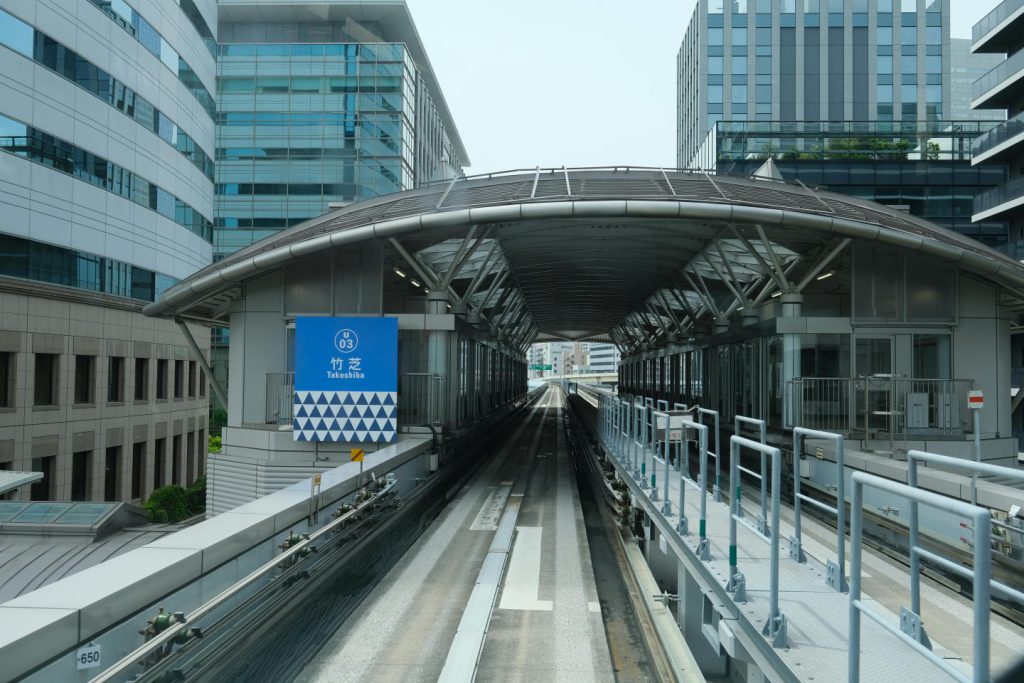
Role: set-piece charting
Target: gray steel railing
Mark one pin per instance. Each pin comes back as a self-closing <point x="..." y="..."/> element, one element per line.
<point x="917" y="553"/>
<point x="1000" y="194"/>
<point x="1001" y="133"/>
<point x="994" y="18"/>
<point x="898" y="406"/>
<point x="1000" y="74"/>
<point x="701" y="412"/>
<point x="775" y="624"/>
<point x="835" y="574"/>
<point x="910" y="630"/>
<point x="280" y="397"/>
<point x="762" y="476"/>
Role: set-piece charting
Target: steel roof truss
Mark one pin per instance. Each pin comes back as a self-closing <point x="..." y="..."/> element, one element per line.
<point x="823" y="263"/>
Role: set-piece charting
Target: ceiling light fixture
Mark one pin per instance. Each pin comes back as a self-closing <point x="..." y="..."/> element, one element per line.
<point x="399" y="273"/>
<point x="776" y="295"/>
<point x="414" y="283"/>
<point x="825" y="276"/>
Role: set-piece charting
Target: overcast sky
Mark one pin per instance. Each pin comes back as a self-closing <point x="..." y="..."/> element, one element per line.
<point x="574" y="82"/>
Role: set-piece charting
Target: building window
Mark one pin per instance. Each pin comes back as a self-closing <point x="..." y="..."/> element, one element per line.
<point x="81" y="474"/>
<point x="179" y="378"/>
<point x="6" y="379"/>
<point x="159" y="460"/>
<point x="191" y="379"/>
<point x="161" y="379"/>
<point x="43" y="489"/>
<point x="46" y="373"/>
<point x="111" y="473"/>
<point x="202" y="382"/>
<point x="141" y="379"/>
<point x="190" y="460"/>
<point x="85" y="379"/>
<point x="176" y="460"/>
<point x="202" y="452"/>
<point x="138" y="468"/>
<point x="115" y="379"/>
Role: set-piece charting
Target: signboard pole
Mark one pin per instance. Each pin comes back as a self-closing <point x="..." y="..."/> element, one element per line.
<point x="975" y="402"/>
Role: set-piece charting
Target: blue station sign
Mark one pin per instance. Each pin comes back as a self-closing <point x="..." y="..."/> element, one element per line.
<point x="346" y="380"/>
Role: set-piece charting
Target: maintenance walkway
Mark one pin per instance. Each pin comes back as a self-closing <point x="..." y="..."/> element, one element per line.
<point x="815" y="643"/>
<point x="466" y="600"/>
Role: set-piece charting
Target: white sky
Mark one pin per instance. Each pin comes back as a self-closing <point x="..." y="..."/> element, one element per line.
<point x="574" y="82"/>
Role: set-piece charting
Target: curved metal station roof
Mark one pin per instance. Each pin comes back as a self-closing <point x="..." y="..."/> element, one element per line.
<point x="579" y="253"/>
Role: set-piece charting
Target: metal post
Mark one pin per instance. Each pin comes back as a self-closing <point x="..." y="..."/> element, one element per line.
<point x="683" y="526"/>
<point x="982" y="594"/>
<point x="912" y="524"/>
<point x="775" y="626"/>
<point x="666" y="449"/>
<point x="977" y="458"/>
<point x="734" y="507"/>
<point x="853" y="673"/>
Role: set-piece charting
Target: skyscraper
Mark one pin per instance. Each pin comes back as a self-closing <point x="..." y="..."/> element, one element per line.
<point x="811" y="60"/>
<point x="321" y="103"/>
<point x="107" y="129"/>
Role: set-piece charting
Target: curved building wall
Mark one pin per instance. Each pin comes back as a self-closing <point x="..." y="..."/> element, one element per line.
<point x="106" y="200"/>
<point x="135" y="114"/>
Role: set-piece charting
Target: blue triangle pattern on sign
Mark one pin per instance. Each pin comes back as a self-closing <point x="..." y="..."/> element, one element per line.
<point x="345" y="416"/>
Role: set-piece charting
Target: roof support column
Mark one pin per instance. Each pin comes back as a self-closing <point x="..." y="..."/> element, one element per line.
<point x="791" y="308"/>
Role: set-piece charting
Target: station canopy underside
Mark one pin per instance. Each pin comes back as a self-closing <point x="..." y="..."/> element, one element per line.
<point x="612" y="254"/>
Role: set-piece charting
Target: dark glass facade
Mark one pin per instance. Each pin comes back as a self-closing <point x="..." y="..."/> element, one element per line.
<point x="28" y="260"/>
<point x="924" y="168"/>
<point x="46" y="149"/>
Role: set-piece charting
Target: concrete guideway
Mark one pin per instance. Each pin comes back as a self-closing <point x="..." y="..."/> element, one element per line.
<point x="404" y="631"/>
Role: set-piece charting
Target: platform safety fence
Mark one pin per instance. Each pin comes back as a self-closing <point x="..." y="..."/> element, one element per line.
<point x="865" y="407"/>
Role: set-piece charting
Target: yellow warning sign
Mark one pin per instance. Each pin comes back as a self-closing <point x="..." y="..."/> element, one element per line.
<point x="357" y="454"/>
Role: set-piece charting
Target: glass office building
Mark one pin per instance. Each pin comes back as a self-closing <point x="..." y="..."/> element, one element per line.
<point x="315" y="113"/>
<point x="923" y="168"/>
<point x="811" y="60"/>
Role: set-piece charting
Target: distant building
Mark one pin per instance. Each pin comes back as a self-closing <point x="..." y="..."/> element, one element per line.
<point x="965" y="68"/>
<point x="604" y="358"/>
<point x="811" y="60"/>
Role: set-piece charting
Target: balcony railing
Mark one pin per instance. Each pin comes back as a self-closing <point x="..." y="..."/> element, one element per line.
<point x="866" y="407"/>
<point x="422" y="399"/>
<point x="997" y="75"/>
<point x="994" y="18"/>
<point x="998" y="135"/>
<point x="999" y="195"/>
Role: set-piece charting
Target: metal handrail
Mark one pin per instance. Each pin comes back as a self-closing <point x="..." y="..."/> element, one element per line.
<point x="703" y="545"/>
<point x="717" y="493"/>
<point x="168" y="634"/>
<point x="1000" y="194"/>
<point x="762" y="428"/>
<point x="999" y="74"/>
<point x="835" y="575"/>
<point x="994" y="18"/>
<point x="775" y="624"/>
<point x="910" y="630"/>
<point x="969" y="466"/>
<point x="1001" y="133"/>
